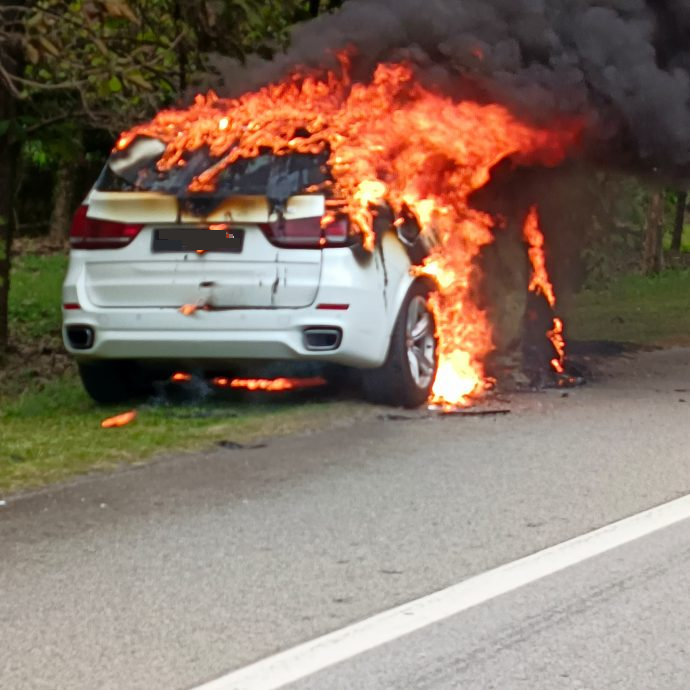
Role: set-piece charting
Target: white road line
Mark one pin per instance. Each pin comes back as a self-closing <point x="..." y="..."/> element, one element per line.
<point x="309" y="658"/>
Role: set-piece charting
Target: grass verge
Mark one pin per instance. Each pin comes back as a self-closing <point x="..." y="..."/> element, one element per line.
<point x="50" y="429"/>
<point x="53" y="434"/>
<point x="35" y="295"/>
<point x="636" y="309"/>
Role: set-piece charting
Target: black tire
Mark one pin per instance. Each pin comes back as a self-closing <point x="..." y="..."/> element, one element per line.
<point x="111" y="382"/>
<point x="395" y="383"/>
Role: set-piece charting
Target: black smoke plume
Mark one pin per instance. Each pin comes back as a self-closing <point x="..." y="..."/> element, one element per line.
<point x="624" y="65"/>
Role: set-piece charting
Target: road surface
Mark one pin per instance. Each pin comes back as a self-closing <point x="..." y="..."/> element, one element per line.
<point x="176" y="573"/>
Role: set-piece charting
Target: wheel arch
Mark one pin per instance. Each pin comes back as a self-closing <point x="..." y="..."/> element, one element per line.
<point x="404" y="288"/>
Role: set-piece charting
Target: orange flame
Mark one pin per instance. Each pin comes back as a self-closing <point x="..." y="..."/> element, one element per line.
<point x="541" y="284"/>
<point x="422" y="153"/>
<point x="124" y="141"/>
<point x="188" y="309"/>
<point x="181" y="377"/>
<point x="119" y="420"/>
<point x="271" y="385"/>
<point x="556" y="337"/>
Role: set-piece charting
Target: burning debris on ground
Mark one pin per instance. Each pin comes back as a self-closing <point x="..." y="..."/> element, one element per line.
<point x="186" y="395"/>
<point x="468" y="99"/>
<point x="120" y="420"/>
<point x="270" y="385"/>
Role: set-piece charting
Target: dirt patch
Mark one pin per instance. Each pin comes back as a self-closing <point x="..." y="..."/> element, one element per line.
<point x="32" y="364"/>
<point x="40" y="246"/>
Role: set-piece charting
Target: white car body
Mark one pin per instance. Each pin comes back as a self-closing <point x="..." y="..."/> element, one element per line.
<point x="254" y="305"/>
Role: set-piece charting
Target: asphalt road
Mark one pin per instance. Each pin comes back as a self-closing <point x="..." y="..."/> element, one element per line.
<point x="172" y="574"/>
<point x="619" y="621"/>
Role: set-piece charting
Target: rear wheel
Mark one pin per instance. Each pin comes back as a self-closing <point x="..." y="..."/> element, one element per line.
<point x="110" y="382"/>
<point x="407" y="376"/>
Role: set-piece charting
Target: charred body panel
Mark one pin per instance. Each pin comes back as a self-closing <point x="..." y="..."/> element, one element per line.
<point x="268" y="175"/>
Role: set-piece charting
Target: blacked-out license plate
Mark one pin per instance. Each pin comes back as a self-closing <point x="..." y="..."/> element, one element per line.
<point x="197" y="239"/>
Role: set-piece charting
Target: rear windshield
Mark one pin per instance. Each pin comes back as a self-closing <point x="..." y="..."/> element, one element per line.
<point x="277" y="177"/>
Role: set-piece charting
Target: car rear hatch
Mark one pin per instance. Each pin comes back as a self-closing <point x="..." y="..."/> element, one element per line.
<point x="241" y="269"/>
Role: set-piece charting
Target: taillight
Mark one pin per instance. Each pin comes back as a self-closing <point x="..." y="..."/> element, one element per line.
<point x="337" y="231"/>
<point x="309" y="233"/>
<point x="93" y="233"/>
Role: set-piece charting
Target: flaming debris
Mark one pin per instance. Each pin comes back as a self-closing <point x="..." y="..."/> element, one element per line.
<point x="390" y="141"/>
<point x="119" y="420"/>
<point x="270" y="385"/>
<point x="188" y="309"/>
<point x="540" y="284"/>
<point x="181" y="377"/>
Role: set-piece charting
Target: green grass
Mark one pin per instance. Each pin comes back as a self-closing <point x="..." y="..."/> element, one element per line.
<point x="636" y="309"/>
<point x="35" y="295"/>
<point x="53" y="434"/>
<point x="684" y="240"/>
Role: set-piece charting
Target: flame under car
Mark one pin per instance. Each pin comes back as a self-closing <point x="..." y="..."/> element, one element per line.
<point x="259" y="271"/>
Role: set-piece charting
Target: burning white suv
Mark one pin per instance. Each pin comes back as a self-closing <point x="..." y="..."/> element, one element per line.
<point x="160" y="281"/>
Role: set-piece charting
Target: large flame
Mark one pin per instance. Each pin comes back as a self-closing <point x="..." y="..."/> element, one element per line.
<point x="392" y="141"/>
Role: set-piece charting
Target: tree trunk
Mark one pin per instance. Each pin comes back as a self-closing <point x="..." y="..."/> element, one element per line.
<point x="63" y="197"/>
<point x="679" y="225"/>
<point x="654" y="235"/>
<point x="182" y="58"/>
<point x="505" y="277"/>
<point x="314" y="6"/>
<point x="8" y="157"/>
<point x="11" y="54"/>
<point x="9" y="152"/>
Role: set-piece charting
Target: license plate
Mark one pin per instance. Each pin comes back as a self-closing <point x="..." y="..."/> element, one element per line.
<point x="198" y="239"/>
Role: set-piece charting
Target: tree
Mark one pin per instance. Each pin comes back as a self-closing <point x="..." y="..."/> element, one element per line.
<point x="312" y="8"/>
<point x="70" y="65"/>
<point x="11" y="62"/>
<point x="679" y="223"/>
<point x="653" y="261"/>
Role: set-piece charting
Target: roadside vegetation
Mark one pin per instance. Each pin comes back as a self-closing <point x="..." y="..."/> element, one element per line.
<point x="643" y="310"/>
<point x="53" y="432"/>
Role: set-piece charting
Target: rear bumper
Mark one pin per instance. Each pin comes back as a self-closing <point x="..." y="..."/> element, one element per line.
<point x="226" y="336"/>
<point x="372" y="290"/>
